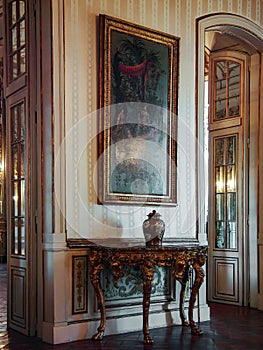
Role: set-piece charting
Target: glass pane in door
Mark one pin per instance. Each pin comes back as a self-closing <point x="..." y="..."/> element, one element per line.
<point x="220" y="206"/>
<point x="17" y="39"/>
<point x="220" y="234"/>
<point x="227" y="89"/>
<point x="18" y="239"/>
<point x="219" y="151"/>
<point x="225" y="179"/>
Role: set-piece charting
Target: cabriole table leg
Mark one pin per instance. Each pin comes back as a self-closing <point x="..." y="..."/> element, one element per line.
<point x="147" y="270"/>
<point x="199" y="278"/>
<point x="95" y="280"/>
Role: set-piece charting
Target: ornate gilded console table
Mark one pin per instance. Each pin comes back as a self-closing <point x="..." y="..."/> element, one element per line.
<point x="181" y="259"/>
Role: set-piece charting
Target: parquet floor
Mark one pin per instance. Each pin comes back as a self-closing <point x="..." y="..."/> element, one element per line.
<point x="230" y="327"/>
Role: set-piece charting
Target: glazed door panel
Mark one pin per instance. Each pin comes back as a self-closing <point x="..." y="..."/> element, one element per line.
<point x="18" y="212"/>
<point x="226" y="232"/>
<point x="228" y="180"/>
<point x="20" y="165"/>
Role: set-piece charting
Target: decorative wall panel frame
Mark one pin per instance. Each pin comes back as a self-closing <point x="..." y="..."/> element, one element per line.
<point x="79" y="284"/>
<point x="226" y="279"/>
<point x="18" y="294"/>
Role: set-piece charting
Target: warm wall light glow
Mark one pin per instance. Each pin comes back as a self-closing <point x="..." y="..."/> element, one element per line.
<point x="231" y="179"/>
<point x="2" y="167"/>
<point x="220" y="186"/>
<point x="231" y="185"/>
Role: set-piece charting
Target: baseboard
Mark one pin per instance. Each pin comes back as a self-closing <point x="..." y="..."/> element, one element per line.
<point x="65" y="333"/>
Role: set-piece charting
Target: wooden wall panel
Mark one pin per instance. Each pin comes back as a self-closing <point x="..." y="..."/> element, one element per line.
<point x="18" y="294"/>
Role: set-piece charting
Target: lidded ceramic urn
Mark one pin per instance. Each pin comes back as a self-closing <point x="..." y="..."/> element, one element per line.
<point x="153" y="229"/>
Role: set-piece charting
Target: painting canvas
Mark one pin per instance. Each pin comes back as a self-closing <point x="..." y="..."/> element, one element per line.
<point x="138" y="107"/>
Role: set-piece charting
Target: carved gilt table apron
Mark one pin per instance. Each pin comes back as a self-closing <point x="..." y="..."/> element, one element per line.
<point x="181" y="259"/>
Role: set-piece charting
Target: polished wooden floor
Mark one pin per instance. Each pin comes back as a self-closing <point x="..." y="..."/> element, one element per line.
<point x="230" y="327"/>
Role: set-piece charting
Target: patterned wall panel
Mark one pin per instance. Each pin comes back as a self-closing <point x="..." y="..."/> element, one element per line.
<point x="131" y="285"/>
<point x="129" y="289"/>
<point x="79" y="284"/>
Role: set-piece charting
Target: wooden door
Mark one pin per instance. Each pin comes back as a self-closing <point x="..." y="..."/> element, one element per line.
<point x="20" y="176"/>
<point x="227" y="180"/>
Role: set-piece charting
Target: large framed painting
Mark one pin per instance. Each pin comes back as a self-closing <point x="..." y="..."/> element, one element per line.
<point x="138" y="87"/>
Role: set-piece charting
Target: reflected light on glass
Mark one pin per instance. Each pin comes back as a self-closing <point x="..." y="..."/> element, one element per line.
<point x="220" y="186"/>
<point x="231" y="185"/>
<point x="2" y="167"/>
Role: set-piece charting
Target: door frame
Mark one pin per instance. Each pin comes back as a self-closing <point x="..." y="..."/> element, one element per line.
<point x="253" y="33"/>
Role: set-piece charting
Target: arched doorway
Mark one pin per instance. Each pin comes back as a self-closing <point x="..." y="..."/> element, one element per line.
<point x="232" y="268"/>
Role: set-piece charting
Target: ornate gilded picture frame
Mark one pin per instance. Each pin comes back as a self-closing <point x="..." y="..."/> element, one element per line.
<point x="138" y="87"/>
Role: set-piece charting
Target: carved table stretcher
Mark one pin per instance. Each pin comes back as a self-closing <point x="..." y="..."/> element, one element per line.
<point x="181" y="260"/>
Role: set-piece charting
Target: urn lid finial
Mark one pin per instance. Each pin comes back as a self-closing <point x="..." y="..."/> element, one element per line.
<point x="153" y="214"/>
